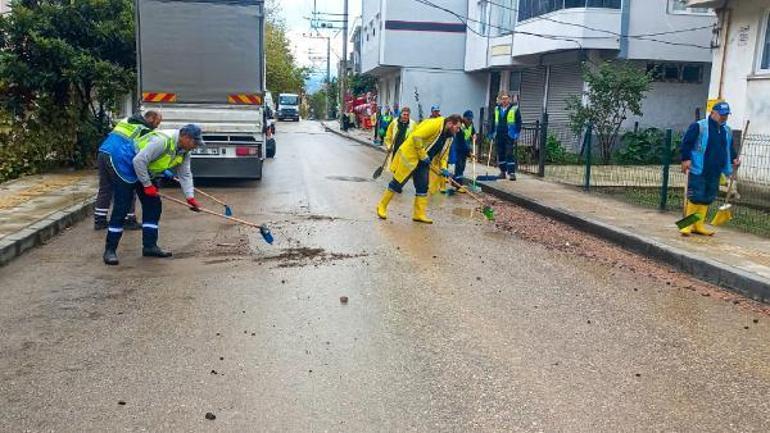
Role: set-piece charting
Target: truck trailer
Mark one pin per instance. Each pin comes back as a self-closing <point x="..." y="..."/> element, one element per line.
<point x="203" y="62"/>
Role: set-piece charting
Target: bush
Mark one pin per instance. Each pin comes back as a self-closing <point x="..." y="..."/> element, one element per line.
<point x="645" y="147"/>
<point x="556" y="153"/>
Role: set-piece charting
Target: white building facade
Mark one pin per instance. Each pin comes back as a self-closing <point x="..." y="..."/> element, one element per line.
<point x="741" y="76"/>
<point x="535" y="49"/>
<point x="5" y="6"/>
<point x="417" y="52"/>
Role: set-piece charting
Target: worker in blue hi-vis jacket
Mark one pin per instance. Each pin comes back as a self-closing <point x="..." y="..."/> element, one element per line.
<point x="506" y="126"/>
<point x="462" y="147"/>
<point x="707" y="154"/>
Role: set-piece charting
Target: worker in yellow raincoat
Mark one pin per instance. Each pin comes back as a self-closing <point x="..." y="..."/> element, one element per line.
<point x="422" y="157"/>
<point x="398" y="132"/>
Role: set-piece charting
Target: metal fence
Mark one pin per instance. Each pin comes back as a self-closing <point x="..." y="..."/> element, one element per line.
<point x="643" y="169"/>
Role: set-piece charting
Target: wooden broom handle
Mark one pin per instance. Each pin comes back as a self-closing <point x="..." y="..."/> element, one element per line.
<point x="211" y="212"/>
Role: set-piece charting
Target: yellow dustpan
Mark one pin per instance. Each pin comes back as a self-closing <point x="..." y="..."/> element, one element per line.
<point x="725" y="212"/>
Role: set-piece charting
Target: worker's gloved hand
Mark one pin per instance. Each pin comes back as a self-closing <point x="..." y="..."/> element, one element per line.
<point x="445" y="172"/>
<point x="168" y="175"/>
<point x="514" y="135"/>
<point x="151" y="191"/>
<point x="194" y="205"/>
<point x="425" y="161"/>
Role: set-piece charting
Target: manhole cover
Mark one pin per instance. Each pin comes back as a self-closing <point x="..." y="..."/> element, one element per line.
<point x="349" y="178"/>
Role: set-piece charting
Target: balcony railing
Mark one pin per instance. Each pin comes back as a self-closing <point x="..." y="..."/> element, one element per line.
<point x="534" y="8"/>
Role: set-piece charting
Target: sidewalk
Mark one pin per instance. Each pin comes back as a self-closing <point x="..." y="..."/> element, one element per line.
<point x="731" y="259"/>
<point x="33" y="209"/>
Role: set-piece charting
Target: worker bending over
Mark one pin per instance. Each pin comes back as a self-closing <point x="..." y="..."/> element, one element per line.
<point x="163" y="153"/>
<point x="422" y="157"/>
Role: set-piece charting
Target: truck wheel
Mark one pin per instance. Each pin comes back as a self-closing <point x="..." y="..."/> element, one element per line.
<point x="270" y="148"/>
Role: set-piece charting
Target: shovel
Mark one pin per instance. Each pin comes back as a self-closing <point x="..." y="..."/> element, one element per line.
<point x="377" y="173"/>
<point x="725" y="213"/>
<point x="263" y="229"/>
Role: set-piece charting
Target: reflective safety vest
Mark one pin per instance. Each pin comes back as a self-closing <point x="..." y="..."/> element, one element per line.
<point x="169" y="159"/>
<point x="698" y="154"/>
<point x="128" y="130"/>
<point x="467" y="133"/>
<point x="384" y="123"/>
<point x="510" y="118"/>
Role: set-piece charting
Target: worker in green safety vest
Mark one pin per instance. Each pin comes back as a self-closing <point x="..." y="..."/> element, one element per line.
<point x="505" y="132"/>
<point x="159" y="154"/>
<point x="123" y="135"/>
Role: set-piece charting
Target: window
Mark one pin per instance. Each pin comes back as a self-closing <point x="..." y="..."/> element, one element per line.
<point x="680" y="7"/>
<point x="504" y="16"/>
<point x="676" y="73"/>
<point x="483" y="17"/>
<point x="534" y="8"/>
<point x="764" y="48"/>
<point x="514" y="84"/>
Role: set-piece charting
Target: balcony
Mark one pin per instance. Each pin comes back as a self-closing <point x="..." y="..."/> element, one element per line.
<point x="547" y="26"/>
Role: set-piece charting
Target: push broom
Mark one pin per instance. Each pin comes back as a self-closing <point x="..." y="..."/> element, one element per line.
<point x="725" y="212"/>
<point x="473" y="186"/>
<point x="487" y="177"/>
<point x="228" y="210"/>
<point x="691" y="219"/>
<point x="263" y="229"/>
<point x="486" y="209"/>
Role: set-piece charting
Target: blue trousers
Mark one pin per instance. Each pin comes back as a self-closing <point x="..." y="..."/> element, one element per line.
<point x="460" y="168"/>
<point x="506" y="153"/>
<point x="703" y="188"/>
<point x="123" y="195"/>
<point x="420" y="177"/>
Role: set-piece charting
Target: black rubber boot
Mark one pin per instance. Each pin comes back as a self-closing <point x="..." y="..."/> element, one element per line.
<point x="512" y="176"/>
<point x="132" y="224"/>
<point x="110" y="257"/>
<point x="502" y="175"/>
<point x="155" y="251"/>
<point x="100" y="224"/>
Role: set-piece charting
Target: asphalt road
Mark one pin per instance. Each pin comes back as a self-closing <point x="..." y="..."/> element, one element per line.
<point x="462" y="326"/>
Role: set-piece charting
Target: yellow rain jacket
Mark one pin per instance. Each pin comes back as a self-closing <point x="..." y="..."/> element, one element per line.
<point x="390" y="137"/>
<point x="415" y="148"/>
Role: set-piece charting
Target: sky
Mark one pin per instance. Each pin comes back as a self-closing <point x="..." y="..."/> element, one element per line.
<point x="295" y="12"/>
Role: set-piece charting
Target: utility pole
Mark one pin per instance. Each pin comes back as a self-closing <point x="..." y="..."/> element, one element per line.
<point x="343" y="73"/>
<point x="328" y="75"/>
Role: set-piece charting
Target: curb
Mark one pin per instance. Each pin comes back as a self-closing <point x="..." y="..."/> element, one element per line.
<point x="14" y="245"/>
<point x="745" y="283"/>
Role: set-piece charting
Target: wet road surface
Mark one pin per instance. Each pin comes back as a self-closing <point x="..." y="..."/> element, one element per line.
<point x="462" y="326"/>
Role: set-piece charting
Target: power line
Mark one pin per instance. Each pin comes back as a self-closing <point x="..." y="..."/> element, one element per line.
<point x="465" y="19"/>
<point x="642" y="36"/>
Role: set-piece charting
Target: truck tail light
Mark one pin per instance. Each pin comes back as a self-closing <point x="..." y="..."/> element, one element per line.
<point x="245" y="151"/>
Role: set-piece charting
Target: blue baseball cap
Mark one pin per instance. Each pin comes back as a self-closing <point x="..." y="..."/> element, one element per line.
<point x="435" y="108"/>
<point x="723" y="108"/>
<point x="193" y="131"/>
<point x="468" y="114"/>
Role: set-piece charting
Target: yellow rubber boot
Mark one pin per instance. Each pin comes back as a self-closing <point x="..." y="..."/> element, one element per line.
<point x="382" y="206"/>
<point x="691" y="209"/>
<point x="420" y="208"/>
<point x="700" y="226"/>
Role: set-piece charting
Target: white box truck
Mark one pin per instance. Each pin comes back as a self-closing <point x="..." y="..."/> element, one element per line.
<point x="203" y="62"/>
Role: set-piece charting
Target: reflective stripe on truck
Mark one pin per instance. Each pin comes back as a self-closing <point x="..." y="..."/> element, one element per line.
<point x="245" y="99"/>
<point x="158" y="97"/>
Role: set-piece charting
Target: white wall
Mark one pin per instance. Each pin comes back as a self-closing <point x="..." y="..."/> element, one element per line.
<point x="600" y="18"/>
<point x="453" y="91"/>
<point x="747" y="91"/>
<point x="424" y="49"/>
<point x="371" y="22"/>
<point x="672" y="105"/>
<point x="475" y="44"/>
<point x="654" y="16"/>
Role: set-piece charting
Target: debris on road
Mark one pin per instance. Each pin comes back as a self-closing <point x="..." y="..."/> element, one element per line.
<point x="210" y="416"/>
<point x="343" y="299"/>
<point x="122" y="403"/>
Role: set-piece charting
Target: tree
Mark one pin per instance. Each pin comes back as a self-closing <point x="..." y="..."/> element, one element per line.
<point x="64" y="66"/>
<point x="614" y="91"/>
<point x="283" y="73"/>
<point x="362" y="83"/>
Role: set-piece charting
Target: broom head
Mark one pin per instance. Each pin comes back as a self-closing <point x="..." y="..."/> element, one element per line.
<point x="689" y="220"/>
<point x="723" y="215"/>
<point x="487" y="178"/>
<point x="489" y="213"/>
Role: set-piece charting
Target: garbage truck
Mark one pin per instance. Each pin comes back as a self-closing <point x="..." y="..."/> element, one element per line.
<point x="203" y="62"/>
